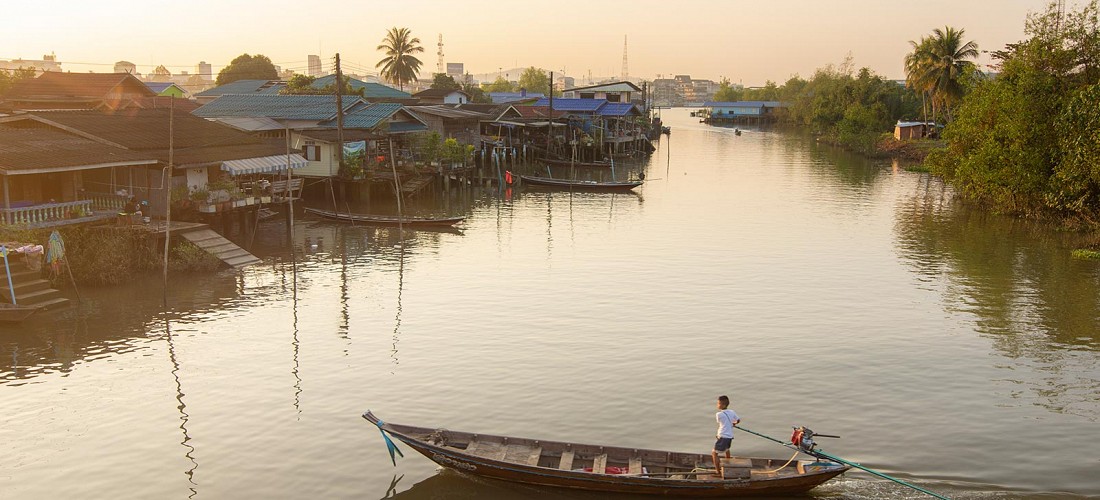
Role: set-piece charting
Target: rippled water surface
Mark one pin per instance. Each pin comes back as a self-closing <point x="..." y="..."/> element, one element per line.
<point x="949" y="347"/>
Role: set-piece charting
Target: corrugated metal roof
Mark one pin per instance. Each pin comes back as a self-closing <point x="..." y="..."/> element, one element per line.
<point x="244" y="87"/>
<point x="159" y="87"/>
<point x="367" y="117"/>
<point x="402" y="127"/>
<point x="250" y="124"/>
<point x="506" y="97"/>
<point x="32" y="150"/>
<point x="573" y="104"/>
<point x="446" y="111"/>
<point x="263" y="164"/>
<point x="275" y="106"/>
<point x="370" y="90"/>
<point x="618" y="109"/>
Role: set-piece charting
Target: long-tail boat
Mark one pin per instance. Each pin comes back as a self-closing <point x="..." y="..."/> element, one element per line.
<point x="386" y="220"/>
<point x="608" y="469"/>
<point x="581" y="184"/>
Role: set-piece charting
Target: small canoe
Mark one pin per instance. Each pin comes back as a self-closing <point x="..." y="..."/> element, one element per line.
<point x="581" y="184"/>
<point x="608" y="469"/>
<point x="13" y="314"/>
<point x="386" y="220"/>
<point x="567" y="163"/>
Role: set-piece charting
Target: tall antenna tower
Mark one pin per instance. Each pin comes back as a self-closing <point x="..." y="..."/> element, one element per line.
<point x="626" y="72"/>
<point x="439" y="66"/>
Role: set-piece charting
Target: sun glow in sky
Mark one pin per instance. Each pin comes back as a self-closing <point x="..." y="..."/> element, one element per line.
<point x="748" y="42"/>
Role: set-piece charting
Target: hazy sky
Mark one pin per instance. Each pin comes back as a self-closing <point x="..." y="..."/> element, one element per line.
<point x="744" y="41"/>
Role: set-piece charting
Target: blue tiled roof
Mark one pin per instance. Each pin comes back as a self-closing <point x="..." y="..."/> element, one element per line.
<point x="506" y="97"/>
<point x="244" y="87"/>
<point x="370" y="90"/>
<point x="366" y="117"/>
<point x="289" y="107"/>
<point x="616" y="109"/>
<point x="579" y="105"/>
<point x="158" y="87"/>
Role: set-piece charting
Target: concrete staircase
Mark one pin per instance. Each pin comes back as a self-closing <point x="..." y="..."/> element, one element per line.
<point x="216" y="245"/>
<point x="30" y="288"/>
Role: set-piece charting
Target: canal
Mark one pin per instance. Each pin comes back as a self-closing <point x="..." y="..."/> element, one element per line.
<point x="947" y="346"/>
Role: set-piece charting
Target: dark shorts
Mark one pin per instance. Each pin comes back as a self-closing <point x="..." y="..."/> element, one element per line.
<point x="723" y="444"/>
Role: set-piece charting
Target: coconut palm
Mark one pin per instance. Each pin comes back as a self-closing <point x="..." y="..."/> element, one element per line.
<point x="938" y="63"/>
<point x="400" y="66"/>
<point x="917" y="64"/>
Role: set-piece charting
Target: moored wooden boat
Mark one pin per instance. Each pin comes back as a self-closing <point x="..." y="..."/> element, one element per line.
<point x="581" y="184"/>
<point x="567" y="163"/>
<point x="13" y="314"/>
<point x="607" y="468"/>
<point x="387" y="220"/>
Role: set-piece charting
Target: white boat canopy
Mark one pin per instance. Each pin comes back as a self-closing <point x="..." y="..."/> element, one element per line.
<point x="263" y="164"/>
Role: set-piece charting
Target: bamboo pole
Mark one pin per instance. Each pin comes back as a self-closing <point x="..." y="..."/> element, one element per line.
<point x="168" y="191"/>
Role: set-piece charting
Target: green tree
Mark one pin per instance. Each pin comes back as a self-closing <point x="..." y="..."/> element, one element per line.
<point x="477" y="95"/>
<point x="727" y="92"/>
<point x="400" y="66"/>
<point x="938" y="65"/>
<point x="303" y="85"/>
<point x="501" y="85"/>
<point x="247" y="67"/>
<point x="444" y="81"/>
<point x="535" y="80"/>
<point x="10" y="78"/>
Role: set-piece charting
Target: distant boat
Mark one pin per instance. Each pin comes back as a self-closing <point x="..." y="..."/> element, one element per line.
<point x="387" y="220"/>
<point x="608" y="469"/>
<point x="581" y="184"/>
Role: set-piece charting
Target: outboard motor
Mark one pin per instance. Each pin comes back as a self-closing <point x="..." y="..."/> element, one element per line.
<point x="803" y="438"/>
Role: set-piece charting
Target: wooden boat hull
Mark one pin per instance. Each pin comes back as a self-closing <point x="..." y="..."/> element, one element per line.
<point x="581" y="185"/>
<point x="14" y="314"/>
<point x="387" y="220"/>
<point x="544" y="461"/>
<point x="567" y="163"/>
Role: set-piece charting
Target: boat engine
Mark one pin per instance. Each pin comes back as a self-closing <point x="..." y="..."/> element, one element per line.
<point x="803" y="438"/>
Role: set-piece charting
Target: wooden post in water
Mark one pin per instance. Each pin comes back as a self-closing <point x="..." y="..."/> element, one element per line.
<point x="168" y="191"/>
<point x="289" y="198"/>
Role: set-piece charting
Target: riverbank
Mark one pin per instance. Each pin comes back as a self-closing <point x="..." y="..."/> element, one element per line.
<point x="101" y="255"/>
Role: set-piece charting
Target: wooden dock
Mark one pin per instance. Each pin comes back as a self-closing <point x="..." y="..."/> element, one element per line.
<point x="216" y="245"/>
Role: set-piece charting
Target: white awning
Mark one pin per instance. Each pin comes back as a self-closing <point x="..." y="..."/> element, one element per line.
<point x="263" y="164"/>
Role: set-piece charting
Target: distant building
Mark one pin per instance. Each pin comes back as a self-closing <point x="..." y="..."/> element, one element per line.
<point x="442" y="96"/>
<point x="682" y="90"/>
<point x="47" y="63"/>
<point x="205" y="71"/>
<point x="314" y="65"/>
<point x="126" y="67"/>
<point x="57" y="90"/>
<point x="456" y="70"/>
<point x="612" y="92"/>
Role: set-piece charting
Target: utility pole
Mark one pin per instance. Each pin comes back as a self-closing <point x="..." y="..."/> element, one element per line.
<point x="550" y="116"/>
<point x="168" y="190"/>
<point x="339" y="114"/>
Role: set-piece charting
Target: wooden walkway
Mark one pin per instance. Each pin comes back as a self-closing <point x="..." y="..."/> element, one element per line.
<point x="216" y="245"/>
<point x="30" y="288"/>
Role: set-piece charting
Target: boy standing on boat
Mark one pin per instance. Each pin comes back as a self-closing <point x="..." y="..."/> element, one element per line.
<point x="726" y="418"/>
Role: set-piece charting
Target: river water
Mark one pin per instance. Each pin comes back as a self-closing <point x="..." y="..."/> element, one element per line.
<point x="947" y="346"/>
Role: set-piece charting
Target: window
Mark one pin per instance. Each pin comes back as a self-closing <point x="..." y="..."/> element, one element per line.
<point x="312" y="153"/>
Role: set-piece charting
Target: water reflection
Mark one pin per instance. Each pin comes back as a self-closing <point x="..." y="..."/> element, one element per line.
<point x="447" y="484"/>
<point x="1040" y="307"/>
<point x="182" y="407"/>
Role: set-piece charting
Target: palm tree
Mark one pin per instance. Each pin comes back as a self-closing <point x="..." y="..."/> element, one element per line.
<point x="917" y="64"/>
<point x="400" y="66"/>
<point x="938" y="63"/>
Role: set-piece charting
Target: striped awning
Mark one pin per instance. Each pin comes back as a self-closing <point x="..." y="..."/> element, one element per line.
<point x="263" y="164"/>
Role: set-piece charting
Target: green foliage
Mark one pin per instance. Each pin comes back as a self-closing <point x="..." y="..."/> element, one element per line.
<point x="501" y="85"/>
<point x="185" y="257"/>
<point x="303" y="85"/>
<point x="429" y="146"/>
<point x="445" y="82"/>
<point x="1027" y="141"/>
<point x="454" y="152"/>
<point x="400" y="66"/>
<point x="248" y="67"/>
<point x="535" y="80"/>
<point x="476" y="93"/>
<point x="727" y="92"/>
<point x="10" y="78"/>
<point x="940" y="65"/>
<point x="1085" y="254"/>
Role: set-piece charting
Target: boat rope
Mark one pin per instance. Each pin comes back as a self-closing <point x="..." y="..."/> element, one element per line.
<point x="784" y="465"/>
<point x="390" y="446"/>
<point x="821" y="454"/>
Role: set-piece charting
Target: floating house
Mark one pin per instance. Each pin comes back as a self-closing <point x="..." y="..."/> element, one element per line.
<point x="742" y="111"/>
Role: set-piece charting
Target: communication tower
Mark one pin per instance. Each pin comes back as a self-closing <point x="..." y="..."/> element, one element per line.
<point x="626" y="72"/>
<point x="440" y="68"/>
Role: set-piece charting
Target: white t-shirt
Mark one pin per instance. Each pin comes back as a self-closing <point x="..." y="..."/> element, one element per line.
<point x="725" y="419"/>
